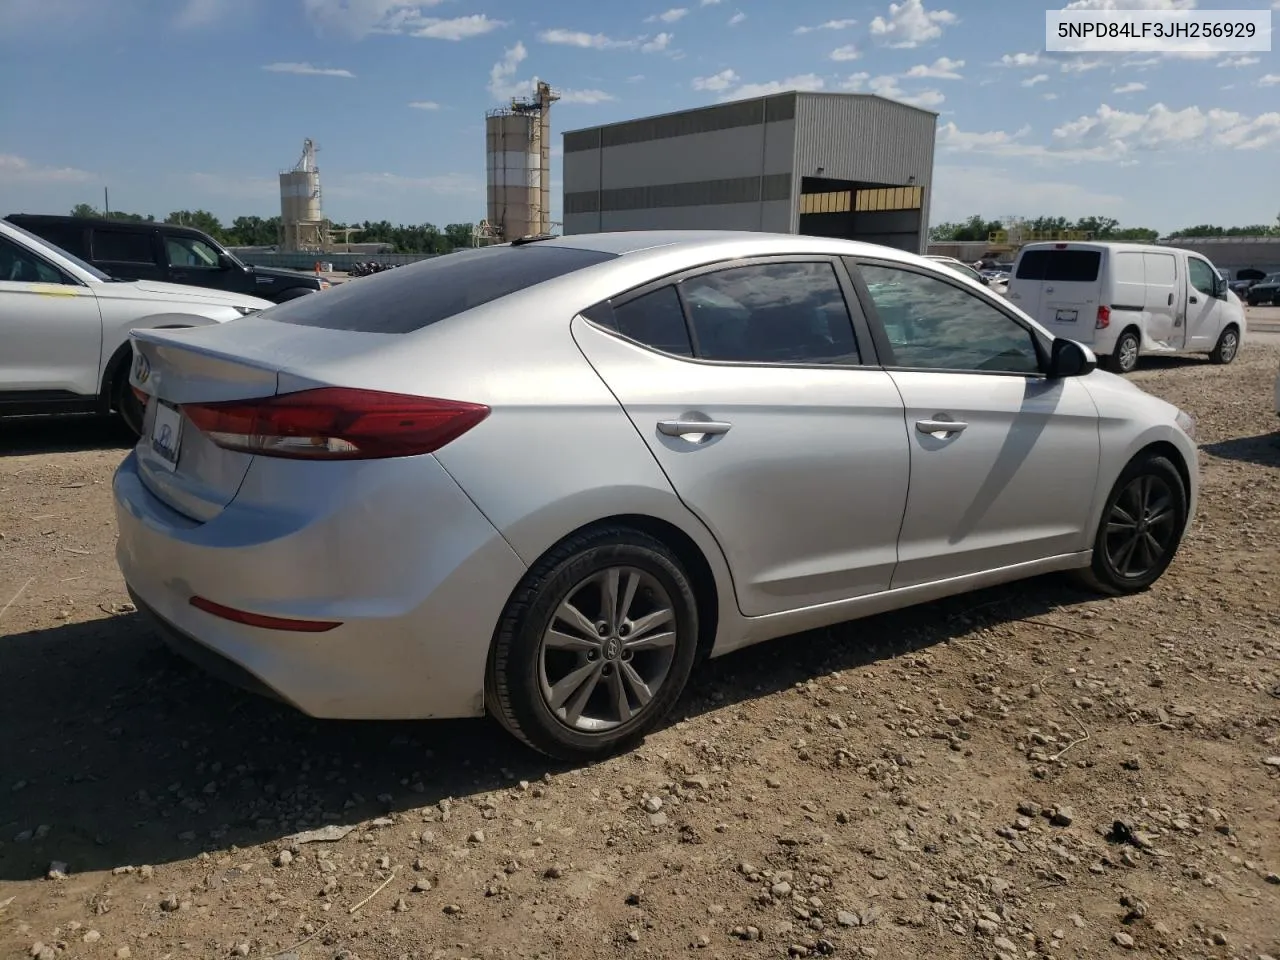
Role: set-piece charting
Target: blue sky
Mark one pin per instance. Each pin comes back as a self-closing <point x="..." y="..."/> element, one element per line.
<point x="200" y="103"/>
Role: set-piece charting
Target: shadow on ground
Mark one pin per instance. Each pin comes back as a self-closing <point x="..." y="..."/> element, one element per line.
<point x="28" y="435"/>
<point x="1263" y="449"/>
<point x="115" y="752"/>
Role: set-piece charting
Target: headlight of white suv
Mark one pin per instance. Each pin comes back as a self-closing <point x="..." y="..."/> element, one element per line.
<point x="1186" y="423"/>
<point x="245" y="311"/>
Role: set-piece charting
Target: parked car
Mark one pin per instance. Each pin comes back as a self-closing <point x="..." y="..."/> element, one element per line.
<point x="170" y="253"/>
<point x="960" y="267"/>
<point x="1126" y="299"/>
<point x="560" y="471"/>
<point x="64" y="328"/>
<point x="1265" y="291"/>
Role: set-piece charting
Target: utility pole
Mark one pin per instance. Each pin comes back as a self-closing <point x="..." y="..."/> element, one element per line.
<point x="106" y="203"/>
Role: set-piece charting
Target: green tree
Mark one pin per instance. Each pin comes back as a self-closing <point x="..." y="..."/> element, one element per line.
<point x="202" y="220"/>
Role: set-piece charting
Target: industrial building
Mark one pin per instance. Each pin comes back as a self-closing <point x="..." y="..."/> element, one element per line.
<point x="1243" y="258"/>
<point x="828" y="164"/>
<point x="302" y="222"/>
<point x="518" y="168"/>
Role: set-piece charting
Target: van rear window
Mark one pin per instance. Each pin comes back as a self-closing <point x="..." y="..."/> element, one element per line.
<point x="415" y="296"/>
<point x="1062" y="266"/>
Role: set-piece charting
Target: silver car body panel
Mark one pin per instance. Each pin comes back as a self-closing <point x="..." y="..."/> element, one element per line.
<point x="417" y="556"/>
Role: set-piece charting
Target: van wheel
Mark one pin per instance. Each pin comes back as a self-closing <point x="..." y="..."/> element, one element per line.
<point x="1124" y="359"/>
<point x="126" y="404"/>
<point x="1141" y="527"/>
<point x="1227" y="347"/>
<point x="595" y="645"/>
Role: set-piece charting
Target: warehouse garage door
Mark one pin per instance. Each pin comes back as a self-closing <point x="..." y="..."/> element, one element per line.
<point x="888" y="215"/>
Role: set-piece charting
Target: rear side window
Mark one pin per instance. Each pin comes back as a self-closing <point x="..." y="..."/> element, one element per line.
<point x="122" y="246"/>
<point x="410" y="298"/>
<point x="1061" y="266"/>
<point x="64" y="236"/>
<point x="656" y="320"/>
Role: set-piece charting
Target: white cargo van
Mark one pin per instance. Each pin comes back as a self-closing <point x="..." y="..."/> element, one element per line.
<point x="1127" y="299"/>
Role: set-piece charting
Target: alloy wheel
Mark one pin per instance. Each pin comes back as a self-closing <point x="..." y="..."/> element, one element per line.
<point x="1141" y="528"/>
<point x="1128" y="354"/>
<point x="1230" y="344"/>
<point x="608" y="650"/>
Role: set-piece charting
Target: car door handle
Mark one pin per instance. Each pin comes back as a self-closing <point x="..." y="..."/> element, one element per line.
<point x="679" y="428"/>
<point x="940" y="426"/>
<point x="1171" y="299"/>
<point x="1194" y="299"/>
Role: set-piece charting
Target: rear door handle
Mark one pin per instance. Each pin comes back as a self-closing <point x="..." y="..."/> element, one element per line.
<point x="946" y="427"/>
<point x="680" y="428"/>
<point x="1171" y="299"/>
<point x="1194" y="300"/>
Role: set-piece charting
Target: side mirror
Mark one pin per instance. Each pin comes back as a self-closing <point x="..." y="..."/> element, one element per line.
<point x="1070" y="359"/>
<point x="225" y="262"/>
<point x="986" y="281"/>
<point x="1219" y="287"/>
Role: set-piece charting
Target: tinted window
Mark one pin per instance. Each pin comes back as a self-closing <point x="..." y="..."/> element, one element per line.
<point x="18" y="265"/>
<point x="190" y="252"/>
<point x="64" y="236"/>
<point x="656" y="320"/>
<point x="122" y="246"/>
<point x="771" y="313"/>
<point x="1062" y="266"/>
<point x="410" y="298"/>
<point x="934" y="325"/>
<point x="1201" y="275"/>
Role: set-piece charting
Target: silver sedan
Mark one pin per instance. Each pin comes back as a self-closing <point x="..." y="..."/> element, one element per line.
<point x="541" y="480"/>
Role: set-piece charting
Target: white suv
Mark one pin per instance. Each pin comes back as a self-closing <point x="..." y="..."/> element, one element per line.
<point x="64" y="327"/>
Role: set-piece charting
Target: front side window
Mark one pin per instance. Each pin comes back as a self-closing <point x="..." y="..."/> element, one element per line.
<point x="1201" y="275"/>
<point x="190" y="252"/>
<point x="934" y="325"/>
<point x="122" y="246"/>
<point x="18" y="265"/>
<point x="771" y="313"/>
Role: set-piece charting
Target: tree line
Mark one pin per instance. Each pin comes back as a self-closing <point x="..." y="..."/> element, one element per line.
<point x="978" y="227"/>
<point x="265" y="231"/>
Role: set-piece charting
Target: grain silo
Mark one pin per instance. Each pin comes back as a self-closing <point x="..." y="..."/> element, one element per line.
<point x="518" y="162"/>
<point x="301" y="217"/>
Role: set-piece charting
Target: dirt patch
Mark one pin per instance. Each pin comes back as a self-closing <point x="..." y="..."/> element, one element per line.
<point x="1026" y="772"/>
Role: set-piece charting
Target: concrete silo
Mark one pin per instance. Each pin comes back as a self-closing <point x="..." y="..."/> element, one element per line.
<point x="302" y="221"/>
<point x="518" y="164"/>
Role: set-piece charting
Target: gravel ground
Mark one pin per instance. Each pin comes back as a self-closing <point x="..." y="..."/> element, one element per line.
<point x="1026" y="772"/>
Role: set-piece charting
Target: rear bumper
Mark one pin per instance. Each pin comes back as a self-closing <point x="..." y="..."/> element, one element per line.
<point x="395" y="551"/>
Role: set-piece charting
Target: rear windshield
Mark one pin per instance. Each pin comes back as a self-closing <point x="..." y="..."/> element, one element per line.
<point x="1062" y="266"/>
<point x="412" y="297"/>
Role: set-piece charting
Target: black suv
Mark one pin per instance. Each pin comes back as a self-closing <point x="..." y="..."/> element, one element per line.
<point x="132" y="250"/>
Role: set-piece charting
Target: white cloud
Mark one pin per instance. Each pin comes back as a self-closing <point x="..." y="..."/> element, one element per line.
<point x="424" y="105"/>
<point x="584" y="96"/>
<point x="708" y="3"/>
<point x="829" y="25"/>
<point x="1160" y="128"/>
<point x="658" y="44"/>
<point x="1048" y="96"/>
<point x="804" y="81"/>
<point x="1000" y="143"/>
<point x="445" y="183"/>
<point x="943" y="68"/>
<point x="307" y="70"/>
<point x="579" y="38"/>
<point x="887" y="87"/>
<point x="233" y="186"/>
<point x="16" y="169"/>
<point x="1132" y="87"/>
<point x="356" y="18"/>
<point x="960" y="190"/>
<point x="1269" y="80"/>
<point x="845" y="53"/>
<point x="1032" y="81"/>
<point x="717" y="81"/>
<point x="668" y="16"/>
<point x="458" y="28"/>
<point x="197" y="13"/>
<point x="1081" y="65"/>
<point x="909" y="24"/>
<point x="1240" y="60"/>
<point x="635" y="78"/>
<point x="737" y="18"/>
<point x="1019" y="60"/>
<point x="502" y="82"/>
<point x="855" y="81"/>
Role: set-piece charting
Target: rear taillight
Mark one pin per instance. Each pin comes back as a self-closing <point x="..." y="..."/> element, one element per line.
<point x="1104" y="317"/>
<point x="335" y="423"/>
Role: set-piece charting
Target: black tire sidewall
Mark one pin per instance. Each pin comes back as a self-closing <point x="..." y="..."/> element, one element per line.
<point x="514" y="679"/>
<point x="1102" y="568"/>
<point x="1217" y="356"/>
<point x="127" y="406"/>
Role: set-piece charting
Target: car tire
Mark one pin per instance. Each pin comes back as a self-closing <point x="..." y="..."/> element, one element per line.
<point x="578" y="689"/>
<point x="1228" y="345"/>
<point x="1124" y="358"/>
<point x="126" y="404"/>
<point x="1147" y="508"/>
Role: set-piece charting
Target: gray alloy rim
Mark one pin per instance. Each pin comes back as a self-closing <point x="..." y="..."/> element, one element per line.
<point x="608" y="650"/>
<point x="1230" y="343"/>
<point x="1128" y="354"/>
<point x="1140" y="527"/>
